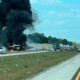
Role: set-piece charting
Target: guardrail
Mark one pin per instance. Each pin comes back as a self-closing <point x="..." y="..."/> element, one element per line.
<point x="21" y="53"/>
<point x="77" y="75"/>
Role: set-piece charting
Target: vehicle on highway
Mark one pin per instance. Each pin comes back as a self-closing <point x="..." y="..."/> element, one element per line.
<point x="3" y="50"/>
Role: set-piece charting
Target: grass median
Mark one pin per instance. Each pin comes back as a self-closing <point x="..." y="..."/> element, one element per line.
<point x="25" y="66"/>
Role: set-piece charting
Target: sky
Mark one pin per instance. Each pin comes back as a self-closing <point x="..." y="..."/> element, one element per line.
<point x="58" y="18"/>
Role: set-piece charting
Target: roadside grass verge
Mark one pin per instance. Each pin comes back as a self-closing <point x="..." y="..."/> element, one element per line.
<point x="25" y="66"/>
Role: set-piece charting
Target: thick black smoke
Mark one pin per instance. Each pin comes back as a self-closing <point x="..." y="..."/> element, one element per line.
<point x="14" y="14"/>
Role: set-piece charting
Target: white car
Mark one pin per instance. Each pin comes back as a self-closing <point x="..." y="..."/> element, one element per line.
<point x="3" y="50"/>
<point x="51" y="49"/>
<point x="78" y="49"/>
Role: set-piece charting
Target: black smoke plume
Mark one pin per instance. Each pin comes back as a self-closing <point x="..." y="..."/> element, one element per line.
<point x="14" y="16"/>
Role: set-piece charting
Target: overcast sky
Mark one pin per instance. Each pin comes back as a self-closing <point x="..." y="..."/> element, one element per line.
<point x="58" y="18"/>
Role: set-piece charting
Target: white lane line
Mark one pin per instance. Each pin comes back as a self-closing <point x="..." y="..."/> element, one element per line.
<point x="21" y="53"/>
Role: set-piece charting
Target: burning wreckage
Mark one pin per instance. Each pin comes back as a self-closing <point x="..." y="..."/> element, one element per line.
<point x="14" y="16"/>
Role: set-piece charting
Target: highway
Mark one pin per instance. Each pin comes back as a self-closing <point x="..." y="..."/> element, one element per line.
<point x="63" y="71"/>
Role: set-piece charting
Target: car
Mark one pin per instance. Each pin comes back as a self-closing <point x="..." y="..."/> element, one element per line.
<point x="78" y="49"/>
<point x="51" y="49"/>
<point x="3" y="50"/>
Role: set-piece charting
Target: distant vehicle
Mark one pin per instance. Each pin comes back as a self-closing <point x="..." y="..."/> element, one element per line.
<point x="51" y="49"/>
<point x="16" y="48"/>
<point x="78" y="49"/>
<point x="3" y="50"/>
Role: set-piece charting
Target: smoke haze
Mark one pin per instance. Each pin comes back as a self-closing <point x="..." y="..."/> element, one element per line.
<point x="14" y="14"/>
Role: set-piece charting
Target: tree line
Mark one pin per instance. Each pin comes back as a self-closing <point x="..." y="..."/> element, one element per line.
<point x="41" y="38"/>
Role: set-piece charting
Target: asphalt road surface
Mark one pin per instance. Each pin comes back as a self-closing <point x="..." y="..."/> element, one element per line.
<point x="64" y="71"/>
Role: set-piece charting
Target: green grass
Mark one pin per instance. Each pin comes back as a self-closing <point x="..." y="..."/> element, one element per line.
<point x="22" y="67"/>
